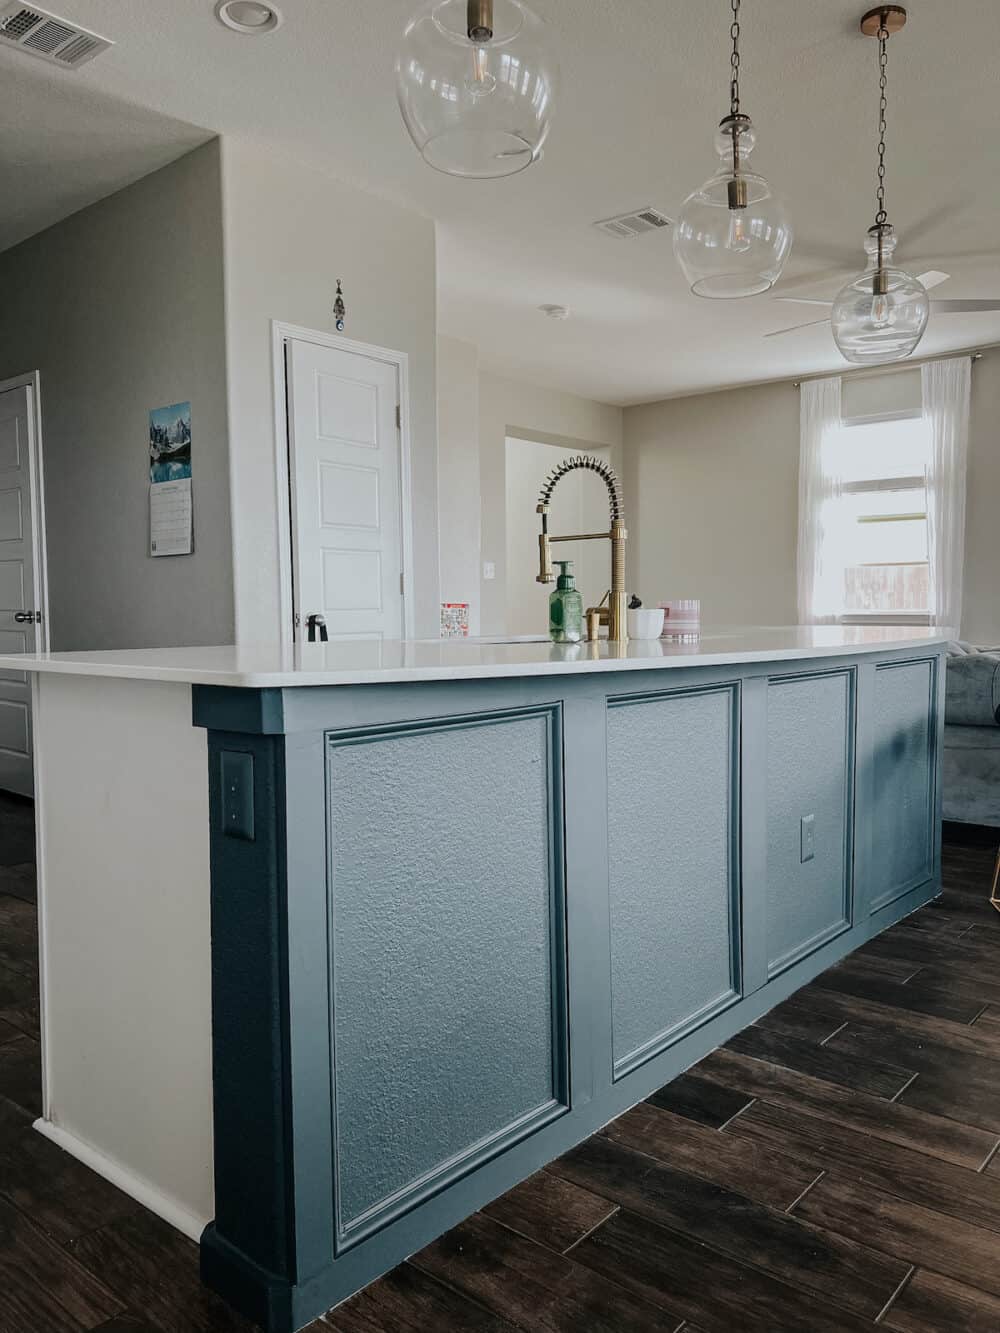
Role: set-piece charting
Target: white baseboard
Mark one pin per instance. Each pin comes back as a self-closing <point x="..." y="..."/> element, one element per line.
<point x="141" y="1190"/>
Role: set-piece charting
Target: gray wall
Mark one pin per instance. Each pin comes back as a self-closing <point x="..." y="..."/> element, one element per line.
<point x="120" y="307"/>
<point x="712" y="496"/>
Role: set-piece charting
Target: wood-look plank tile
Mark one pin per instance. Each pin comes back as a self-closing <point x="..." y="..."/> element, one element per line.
<point x="930" y="1303"/>
<point x="864" y="1075"/>
<point x="535" y="1288"/>
<point x="42" y="1289"/>
<point x="914" y="1234"/>
<point x="972" y="1040"/>
<point x="717" y="1293"/>
<point x="932" y="921"/>
<point x="866" y="1160"/>
<point x="127" y="1323"/>
<point x="885" y="969"/>
<point x="962" y="1088"/>
<point x="916" y="947"/>
<point x="19" y="881"/>
<point x="60" y="1195"/>
<point x="905" y="1125"/>
<point x="408" y="1300"/>
<point x="989" y="1020"/>
<point x="803" y="1017"/>
<point x="754" y="1170"/>
<point x="550" y="1210"/>
<point x="153" y="1268"/>
<point x="18" y="936"/>
<point x="698" y="1100"/>
<point x="21" y="1073"/>
<point x="19" y="1002"/>
<point x="858" y="1277"/>
<point x="910" y="996"/>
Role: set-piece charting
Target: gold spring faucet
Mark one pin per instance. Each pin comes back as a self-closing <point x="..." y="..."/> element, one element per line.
<point x="612" y="614"/>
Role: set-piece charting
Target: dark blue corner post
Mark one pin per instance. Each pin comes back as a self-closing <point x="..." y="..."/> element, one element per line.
<point x="459" y="926"/>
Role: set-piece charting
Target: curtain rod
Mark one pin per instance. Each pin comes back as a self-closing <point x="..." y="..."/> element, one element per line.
<point x="877" y="372"/>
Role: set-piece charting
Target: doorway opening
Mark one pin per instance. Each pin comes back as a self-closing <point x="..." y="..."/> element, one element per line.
<point x="581" y="506"/>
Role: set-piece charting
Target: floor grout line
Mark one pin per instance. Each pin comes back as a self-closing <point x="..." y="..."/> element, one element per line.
<point x="909" y="1083"/>
<point x="907" y="1278"/>
<point x="799" y="1197"/>
<point x="988" y="1158"/>
<point x="834" y="1033"/>
<point x="726" y="1123"/>
<point x="979" y="1015"/>
<point x="615" y="1210"/>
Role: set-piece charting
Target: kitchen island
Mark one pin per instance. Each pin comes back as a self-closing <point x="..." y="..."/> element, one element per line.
<point x="393" y="925"/>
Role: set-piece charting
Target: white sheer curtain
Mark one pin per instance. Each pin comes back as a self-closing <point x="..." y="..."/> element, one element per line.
<point x="946" y="409"/>
<point x="821" y="555"/>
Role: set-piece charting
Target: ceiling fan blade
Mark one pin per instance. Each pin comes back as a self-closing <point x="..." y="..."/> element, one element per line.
<point x="958" y="306"/>
<point x="932" y="278"/>
<point x="813" y="323"/>
<point x="803" y="300"/>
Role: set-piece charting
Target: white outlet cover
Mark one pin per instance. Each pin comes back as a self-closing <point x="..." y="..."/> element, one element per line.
<point x="489" y="570"/>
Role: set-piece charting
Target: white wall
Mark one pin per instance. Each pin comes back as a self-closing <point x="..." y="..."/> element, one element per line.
<point x="509" y="408"/>
<point x="458" y="475"/>
<point x="290" y="232"/>
<point x="711" y="484"/>
<point x="121" y="309"/>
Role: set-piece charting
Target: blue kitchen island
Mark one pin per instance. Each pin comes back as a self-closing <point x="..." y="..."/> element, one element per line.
<point x="471" y="901"/>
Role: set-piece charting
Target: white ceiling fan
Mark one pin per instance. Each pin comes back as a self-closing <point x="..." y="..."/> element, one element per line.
<point x="933" y="278"/>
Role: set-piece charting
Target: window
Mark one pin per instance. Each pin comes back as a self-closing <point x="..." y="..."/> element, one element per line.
<point x="882" y="525"/>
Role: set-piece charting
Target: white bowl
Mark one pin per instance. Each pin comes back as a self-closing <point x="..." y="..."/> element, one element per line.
<point x="645" y="624"/>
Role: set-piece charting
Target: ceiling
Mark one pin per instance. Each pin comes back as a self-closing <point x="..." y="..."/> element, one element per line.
<point x="643" y="85"/>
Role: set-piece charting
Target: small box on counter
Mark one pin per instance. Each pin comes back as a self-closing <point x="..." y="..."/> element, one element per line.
<point x="682" y="619"/>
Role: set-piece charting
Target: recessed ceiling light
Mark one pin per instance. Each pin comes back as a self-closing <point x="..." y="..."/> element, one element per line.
<point x="554" y="311"/>
<point x="248" y="16"/>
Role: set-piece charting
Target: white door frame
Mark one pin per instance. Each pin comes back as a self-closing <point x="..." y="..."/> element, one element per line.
<point x="32" y="381"/>
<point x="281" y="334"/>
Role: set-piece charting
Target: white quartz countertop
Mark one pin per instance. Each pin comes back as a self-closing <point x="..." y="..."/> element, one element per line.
<point x="371" y="661"/>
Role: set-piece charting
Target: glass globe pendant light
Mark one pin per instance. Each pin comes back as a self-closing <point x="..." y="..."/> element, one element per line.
<point x="880" y="315"/>
<point x="733" y="235"/>
<point x="476" y="81"/>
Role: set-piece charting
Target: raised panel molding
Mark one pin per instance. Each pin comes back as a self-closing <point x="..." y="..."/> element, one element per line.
<point x="673" y="769"/>
<point x="810" y="774"/>
<point x="447" y="953"/>
<point x="905" y="796"/>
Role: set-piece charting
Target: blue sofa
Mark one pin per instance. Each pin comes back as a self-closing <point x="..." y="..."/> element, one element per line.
<point x="972" y="736"/>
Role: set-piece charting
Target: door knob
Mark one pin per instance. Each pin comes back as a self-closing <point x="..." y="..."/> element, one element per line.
<point x="314" y="623"/>
<point x="28" y="617"/>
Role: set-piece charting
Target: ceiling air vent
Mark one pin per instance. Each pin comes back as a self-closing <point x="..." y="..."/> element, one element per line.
<point x="38" y="33"/>
<point x="627" y="225"/>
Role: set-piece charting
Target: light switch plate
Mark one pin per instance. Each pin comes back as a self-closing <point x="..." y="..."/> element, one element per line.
<point x="489" y="569"/>
<point x="237" y="795"/>
<point x="808" y="835"/>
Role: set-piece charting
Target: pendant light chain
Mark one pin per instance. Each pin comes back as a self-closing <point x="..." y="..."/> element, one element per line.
<point x="734" y="82"/>
<point x="883" y="61"/>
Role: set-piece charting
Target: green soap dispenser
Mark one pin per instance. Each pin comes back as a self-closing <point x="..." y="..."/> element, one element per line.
<point x="566" y="607"/>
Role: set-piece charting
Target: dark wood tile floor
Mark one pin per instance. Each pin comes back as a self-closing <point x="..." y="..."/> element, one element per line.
<point x="833" y="1168"/>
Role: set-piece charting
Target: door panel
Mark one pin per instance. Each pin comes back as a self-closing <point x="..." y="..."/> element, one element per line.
<point x="19" y="587"/>
<point x="905" y="773"/>
<point x="673" y="835"/>
<point x="344" y="449"/>
<point x="810" y="727"/>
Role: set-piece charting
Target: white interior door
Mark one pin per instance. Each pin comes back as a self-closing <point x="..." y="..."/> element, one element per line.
<point x="20" y="586"/>
<point x="344" y="465"/>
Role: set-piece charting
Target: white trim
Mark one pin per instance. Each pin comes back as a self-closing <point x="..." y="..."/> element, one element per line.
<point x="41" y="897"/>
<point x="134" y="1186"/>
<point x="281" y="334"/>
<point x="32" y="381"/>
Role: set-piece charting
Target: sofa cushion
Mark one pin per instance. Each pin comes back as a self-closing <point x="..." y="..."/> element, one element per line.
<point x="973" y="690"/>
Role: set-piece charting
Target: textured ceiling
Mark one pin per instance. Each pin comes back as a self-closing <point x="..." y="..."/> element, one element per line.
<point x="644" y="83"/>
